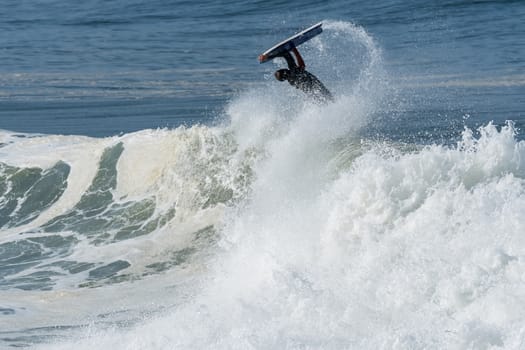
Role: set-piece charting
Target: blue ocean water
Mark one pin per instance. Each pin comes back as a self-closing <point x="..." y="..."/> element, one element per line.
<point x="101" y="68"/>
<point x="159" y="189"/>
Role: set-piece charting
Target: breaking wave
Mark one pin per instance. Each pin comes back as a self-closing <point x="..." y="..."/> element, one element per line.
<point x="282" y="228"/>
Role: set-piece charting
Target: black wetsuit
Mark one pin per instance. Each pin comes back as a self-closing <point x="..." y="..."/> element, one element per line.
<point x="306" y="81"/>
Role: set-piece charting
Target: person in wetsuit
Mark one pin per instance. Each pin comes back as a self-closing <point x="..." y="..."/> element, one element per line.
<point x="298" y="76"/>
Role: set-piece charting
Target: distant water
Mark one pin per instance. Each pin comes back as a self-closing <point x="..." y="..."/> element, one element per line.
<point x="159" y="189"/>
<point x="101" y="68"/>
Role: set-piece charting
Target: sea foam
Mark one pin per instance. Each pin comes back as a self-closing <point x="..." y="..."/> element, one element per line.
<point x="340" y="243"/>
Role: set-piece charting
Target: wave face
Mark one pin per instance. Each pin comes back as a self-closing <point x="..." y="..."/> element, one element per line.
<point x="285" y="227"/>
<point x="51" y="220"/>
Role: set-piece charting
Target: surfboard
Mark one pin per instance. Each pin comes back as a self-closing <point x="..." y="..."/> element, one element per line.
<point x="291" y="42"/>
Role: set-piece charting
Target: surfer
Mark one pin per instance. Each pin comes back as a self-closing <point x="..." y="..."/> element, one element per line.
<point x="298" y="76"/>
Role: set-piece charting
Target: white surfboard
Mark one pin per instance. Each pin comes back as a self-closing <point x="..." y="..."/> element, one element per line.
<point x="291" y="42"/>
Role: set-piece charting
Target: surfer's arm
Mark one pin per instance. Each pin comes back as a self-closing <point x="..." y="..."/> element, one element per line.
<point x="289" y="59"/>
<point x="299" y="58"/>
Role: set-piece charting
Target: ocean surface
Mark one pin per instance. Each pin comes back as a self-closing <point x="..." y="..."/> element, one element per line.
<point x="159" y="189"/>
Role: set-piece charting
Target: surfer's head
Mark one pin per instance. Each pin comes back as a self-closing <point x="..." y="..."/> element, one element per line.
<point x="282" y="74"/>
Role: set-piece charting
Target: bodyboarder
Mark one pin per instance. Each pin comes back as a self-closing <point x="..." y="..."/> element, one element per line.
<point x="298" y="76"/>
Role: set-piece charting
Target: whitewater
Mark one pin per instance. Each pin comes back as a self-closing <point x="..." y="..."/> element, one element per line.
<point x="282" y="226"/>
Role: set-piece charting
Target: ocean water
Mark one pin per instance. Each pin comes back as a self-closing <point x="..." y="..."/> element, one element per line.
<point x="161" y="190"/>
